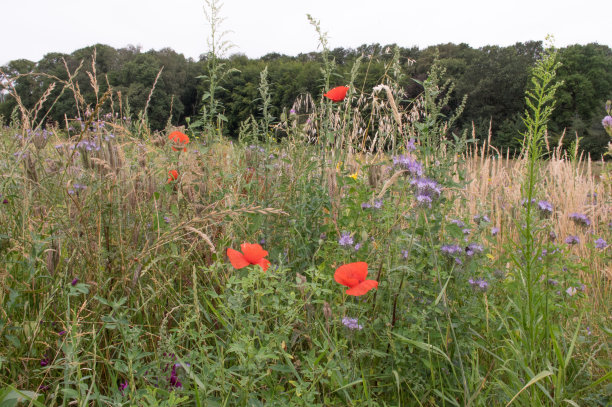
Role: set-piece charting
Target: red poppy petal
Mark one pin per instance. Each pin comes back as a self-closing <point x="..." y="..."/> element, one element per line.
<point x="337" y="94"/>
<point x="351" y="274"/>
<point x="253" y="252"/>
<point x="237" y="259"/>
<point x="362" y="288"/>
<point x="264" y="263"/>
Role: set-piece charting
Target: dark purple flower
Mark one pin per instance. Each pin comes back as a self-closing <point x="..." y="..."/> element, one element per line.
<point x="61" y="333"/>
<point x="553" y="282"/>
<point x="552" y="236"/>
<point x="5" y="201"/>
<point x="174" y="380"/>
<point x="44" y="362"/>
<point x="74" y="281"/>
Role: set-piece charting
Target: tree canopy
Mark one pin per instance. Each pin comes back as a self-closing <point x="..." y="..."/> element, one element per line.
<point x="493" y="77"/>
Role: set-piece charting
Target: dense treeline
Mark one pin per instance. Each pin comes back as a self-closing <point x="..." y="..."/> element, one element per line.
<point x="493" y="77"/>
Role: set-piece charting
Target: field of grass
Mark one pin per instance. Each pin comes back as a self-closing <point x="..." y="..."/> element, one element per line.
<point x="493" y="274"/>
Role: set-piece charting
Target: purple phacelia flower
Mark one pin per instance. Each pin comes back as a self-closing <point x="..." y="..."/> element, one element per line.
<point x="601" y="243"/>
<point x="580" y="219"/>
<point x="478" y="219"/>
<point x="404" y="254"/>
<point x="451" y="249"/>
<point x="345" y="239"/>
<point x="458" y="223"/>
<point x="494" y="231"/>
<point x="351" y="323"/>
<point x="409" y="164"/>
<point x="572" y="240"/>
<point x="424" y="200"/>
<point x="545" y="207"/>
<point x="378" y="203"/>
<point x="473" y="248"/>
<point x="607" y="122"/>
<point x="366" y="205"/>
<point x="426" y="187"/>
<point x="479" y="284"/>
<point x="357" y="246"/>
<point x="411" y="146"/>
<point x="553" y="282"/>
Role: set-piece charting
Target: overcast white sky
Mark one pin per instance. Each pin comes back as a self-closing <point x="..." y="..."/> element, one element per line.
<point x="32" y="28"/>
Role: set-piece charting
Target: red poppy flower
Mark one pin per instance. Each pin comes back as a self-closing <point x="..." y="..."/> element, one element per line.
<point x="353" y="275"/>
<point x="172" y="175"/>
<point x="178" y="138"/>
<point x="251" y="254"/>
<point x="337" y="94"/>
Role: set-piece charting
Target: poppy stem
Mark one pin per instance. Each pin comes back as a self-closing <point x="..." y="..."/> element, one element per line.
<point x="377" y="279"/>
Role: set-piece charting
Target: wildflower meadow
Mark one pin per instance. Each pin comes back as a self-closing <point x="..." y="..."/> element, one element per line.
<point x="354" y="251"/>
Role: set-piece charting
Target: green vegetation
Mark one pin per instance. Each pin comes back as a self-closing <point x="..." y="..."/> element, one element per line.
<point x="153" y="265"/>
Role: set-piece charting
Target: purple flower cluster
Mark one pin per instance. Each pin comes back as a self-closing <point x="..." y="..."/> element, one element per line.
<point x="545" y="207"/>
<point x="572" y="240"/>
<point x="473" y="248"/>
<point x="426" y="190"/>
<point x="451" y="249"/>
<point x="406" y="162"/>
<point x="494" y="231"/>
<point x="351" y="323"/>
<point x="76" y="188"/>
<point x="479" y="284"/>
<point x="345" y="239"/>
<point x="458" y="223"/>
<point x="607" y="122"/>
<point x="580" y="219"/>
<point x="601" y="243"/>
<point x="87" y="145"/>
<point x="478" y="219"/>
<point x="174" y="380"/>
